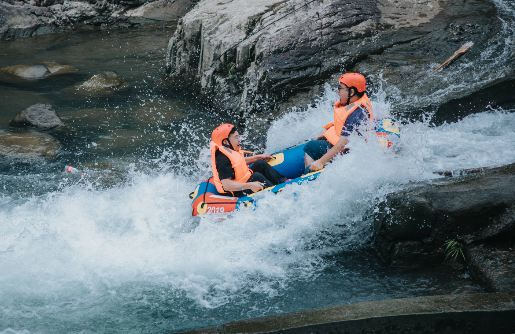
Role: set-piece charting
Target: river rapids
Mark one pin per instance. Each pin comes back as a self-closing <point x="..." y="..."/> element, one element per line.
<point x="117" y="251"/>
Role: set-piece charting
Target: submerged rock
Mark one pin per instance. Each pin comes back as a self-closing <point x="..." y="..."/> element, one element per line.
<point x="30" y="145"/>
<point x="103" y="83"/>
<point x="37" y="71"/>
<point x="41" y="115"/>
<point x="56" y="69"/>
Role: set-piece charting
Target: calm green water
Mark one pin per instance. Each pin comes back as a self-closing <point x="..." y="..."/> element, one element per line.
<point x="117" y="250"/>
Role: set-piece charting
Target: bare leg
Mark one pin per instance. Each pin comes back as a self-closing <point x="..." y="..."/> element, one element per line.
<point x="307" y="160"/>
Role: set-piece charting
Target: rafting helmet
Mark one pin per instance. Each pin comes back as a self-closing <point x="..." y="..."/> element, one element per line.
<point x="221" y="133"/>
<point x="355" y="80"/>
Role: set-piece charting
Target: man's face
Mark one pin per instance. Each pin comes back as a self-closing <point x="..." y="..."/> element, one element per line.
<point x="235" y="141"/>
<point x="343" y="92"/>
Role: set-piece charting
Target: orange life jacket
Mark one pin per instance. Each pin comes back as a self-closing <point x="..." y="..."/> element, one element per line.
<point x="334" y="129"/>
<point x="242" y="172"/>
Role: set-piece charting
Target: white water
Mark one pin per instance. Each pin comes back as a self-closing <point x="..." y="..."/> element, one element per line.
<point x="72" y="258"/>
<point x="77" y="258"/>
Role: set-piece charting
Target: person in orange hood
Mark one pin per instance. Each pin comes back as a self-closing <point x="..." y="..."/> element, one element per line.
<point x="353" y="109"/>
<point x="231" y="173"/>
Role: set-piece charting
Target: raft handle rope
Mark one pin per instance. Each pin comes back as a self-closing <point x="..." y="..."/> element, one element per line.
<point x="254" y="33"/>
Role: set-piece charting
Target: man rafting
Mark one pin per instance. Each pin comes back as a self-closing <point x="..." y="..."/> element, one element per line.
<point x="231" y="173"/>
<point x="352" y="110"/>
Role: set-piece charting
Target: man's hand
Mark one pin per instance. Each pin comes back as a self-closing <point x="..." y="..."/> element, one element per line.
<point x="254" y="186"/>
<point x="265" y="156"/>
<point x="316" y="165"/>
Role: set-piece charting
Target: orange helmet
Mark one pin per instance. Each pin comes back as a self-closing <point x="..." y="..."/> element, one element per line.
<point x="221" y="133"/>
<point x="354" y="80"/>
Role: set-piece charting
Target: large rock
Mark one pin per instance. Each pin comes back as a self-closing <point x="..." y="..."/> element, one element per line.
<point x="243" y="56"/>
<point x="103" y="83"/>
<point x="22" y="146"/>
<point x="78" y="10"/>
<point x="37" y="71"/>
<point x="411" y="227"/>
<point x="41" y="115"/>
<point x="18" y="21"/>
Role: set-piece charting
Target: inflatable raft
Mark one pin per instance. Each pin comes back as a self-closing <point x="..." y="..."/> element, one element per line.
<point x="290" y="163"/>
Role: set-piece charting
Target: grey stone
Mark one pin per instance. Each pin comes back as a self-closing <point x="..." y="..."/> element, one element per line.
<point x="103" y="83"/>
<point x="41" y="115"/>
<point x="36" y="71"/>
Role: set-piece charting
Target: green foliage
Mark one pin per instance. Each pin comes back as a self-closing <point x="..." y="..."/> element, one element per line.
<point x="454" y="249"/>
<point x="231" y="67"/>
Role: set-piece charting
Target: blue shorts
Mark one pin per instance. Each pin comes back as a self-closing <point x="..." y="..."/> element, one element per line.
<point x="316" y="148"/>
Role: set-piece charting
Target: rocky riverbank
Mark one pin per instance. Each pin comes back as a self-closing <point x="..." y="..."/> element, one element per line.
<point x="20" y="19"/>
<point x="468" y="220"/>
<point x="255" y="57"/>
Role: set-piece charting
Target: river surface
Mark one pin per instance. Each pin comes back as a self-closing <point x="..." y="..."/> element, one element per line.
<point x="117" y="251"/>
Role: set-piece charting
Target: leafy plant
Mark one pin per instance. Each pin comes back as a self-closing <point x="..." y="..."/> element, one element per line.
<point x="232" y="66"/>
<point x="454" y="249"/>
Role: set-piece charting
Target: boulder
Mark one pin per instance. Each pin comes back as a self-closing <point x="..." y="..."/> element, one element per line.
<point x="103" y="83"/>
<point x="17" y="22"/>
<point x="245" y="56"/>
<point x="78" y="10"/>
<point x="36" y="71"/>
<point x="30" y="72"/>
<point x="411" y="227"/>
<point x="41" y="115"/>
<point x="21" y="146"/>
<point x="56" y="69"/>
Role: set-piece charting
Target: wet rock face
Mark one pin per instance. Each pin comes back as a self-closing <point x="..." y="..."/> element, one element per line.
<point x="42" y="116"/>
<point x="412" y="227"/>
<point x="245" y="56"/>
<point x="103" y="83"/>
<point x="21" y="146"/>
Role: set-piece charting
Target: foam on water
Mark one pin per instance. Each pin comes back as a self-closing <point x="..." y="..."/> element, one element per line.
<point x="64" y="251"/>
<point x="76" y="257"/>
